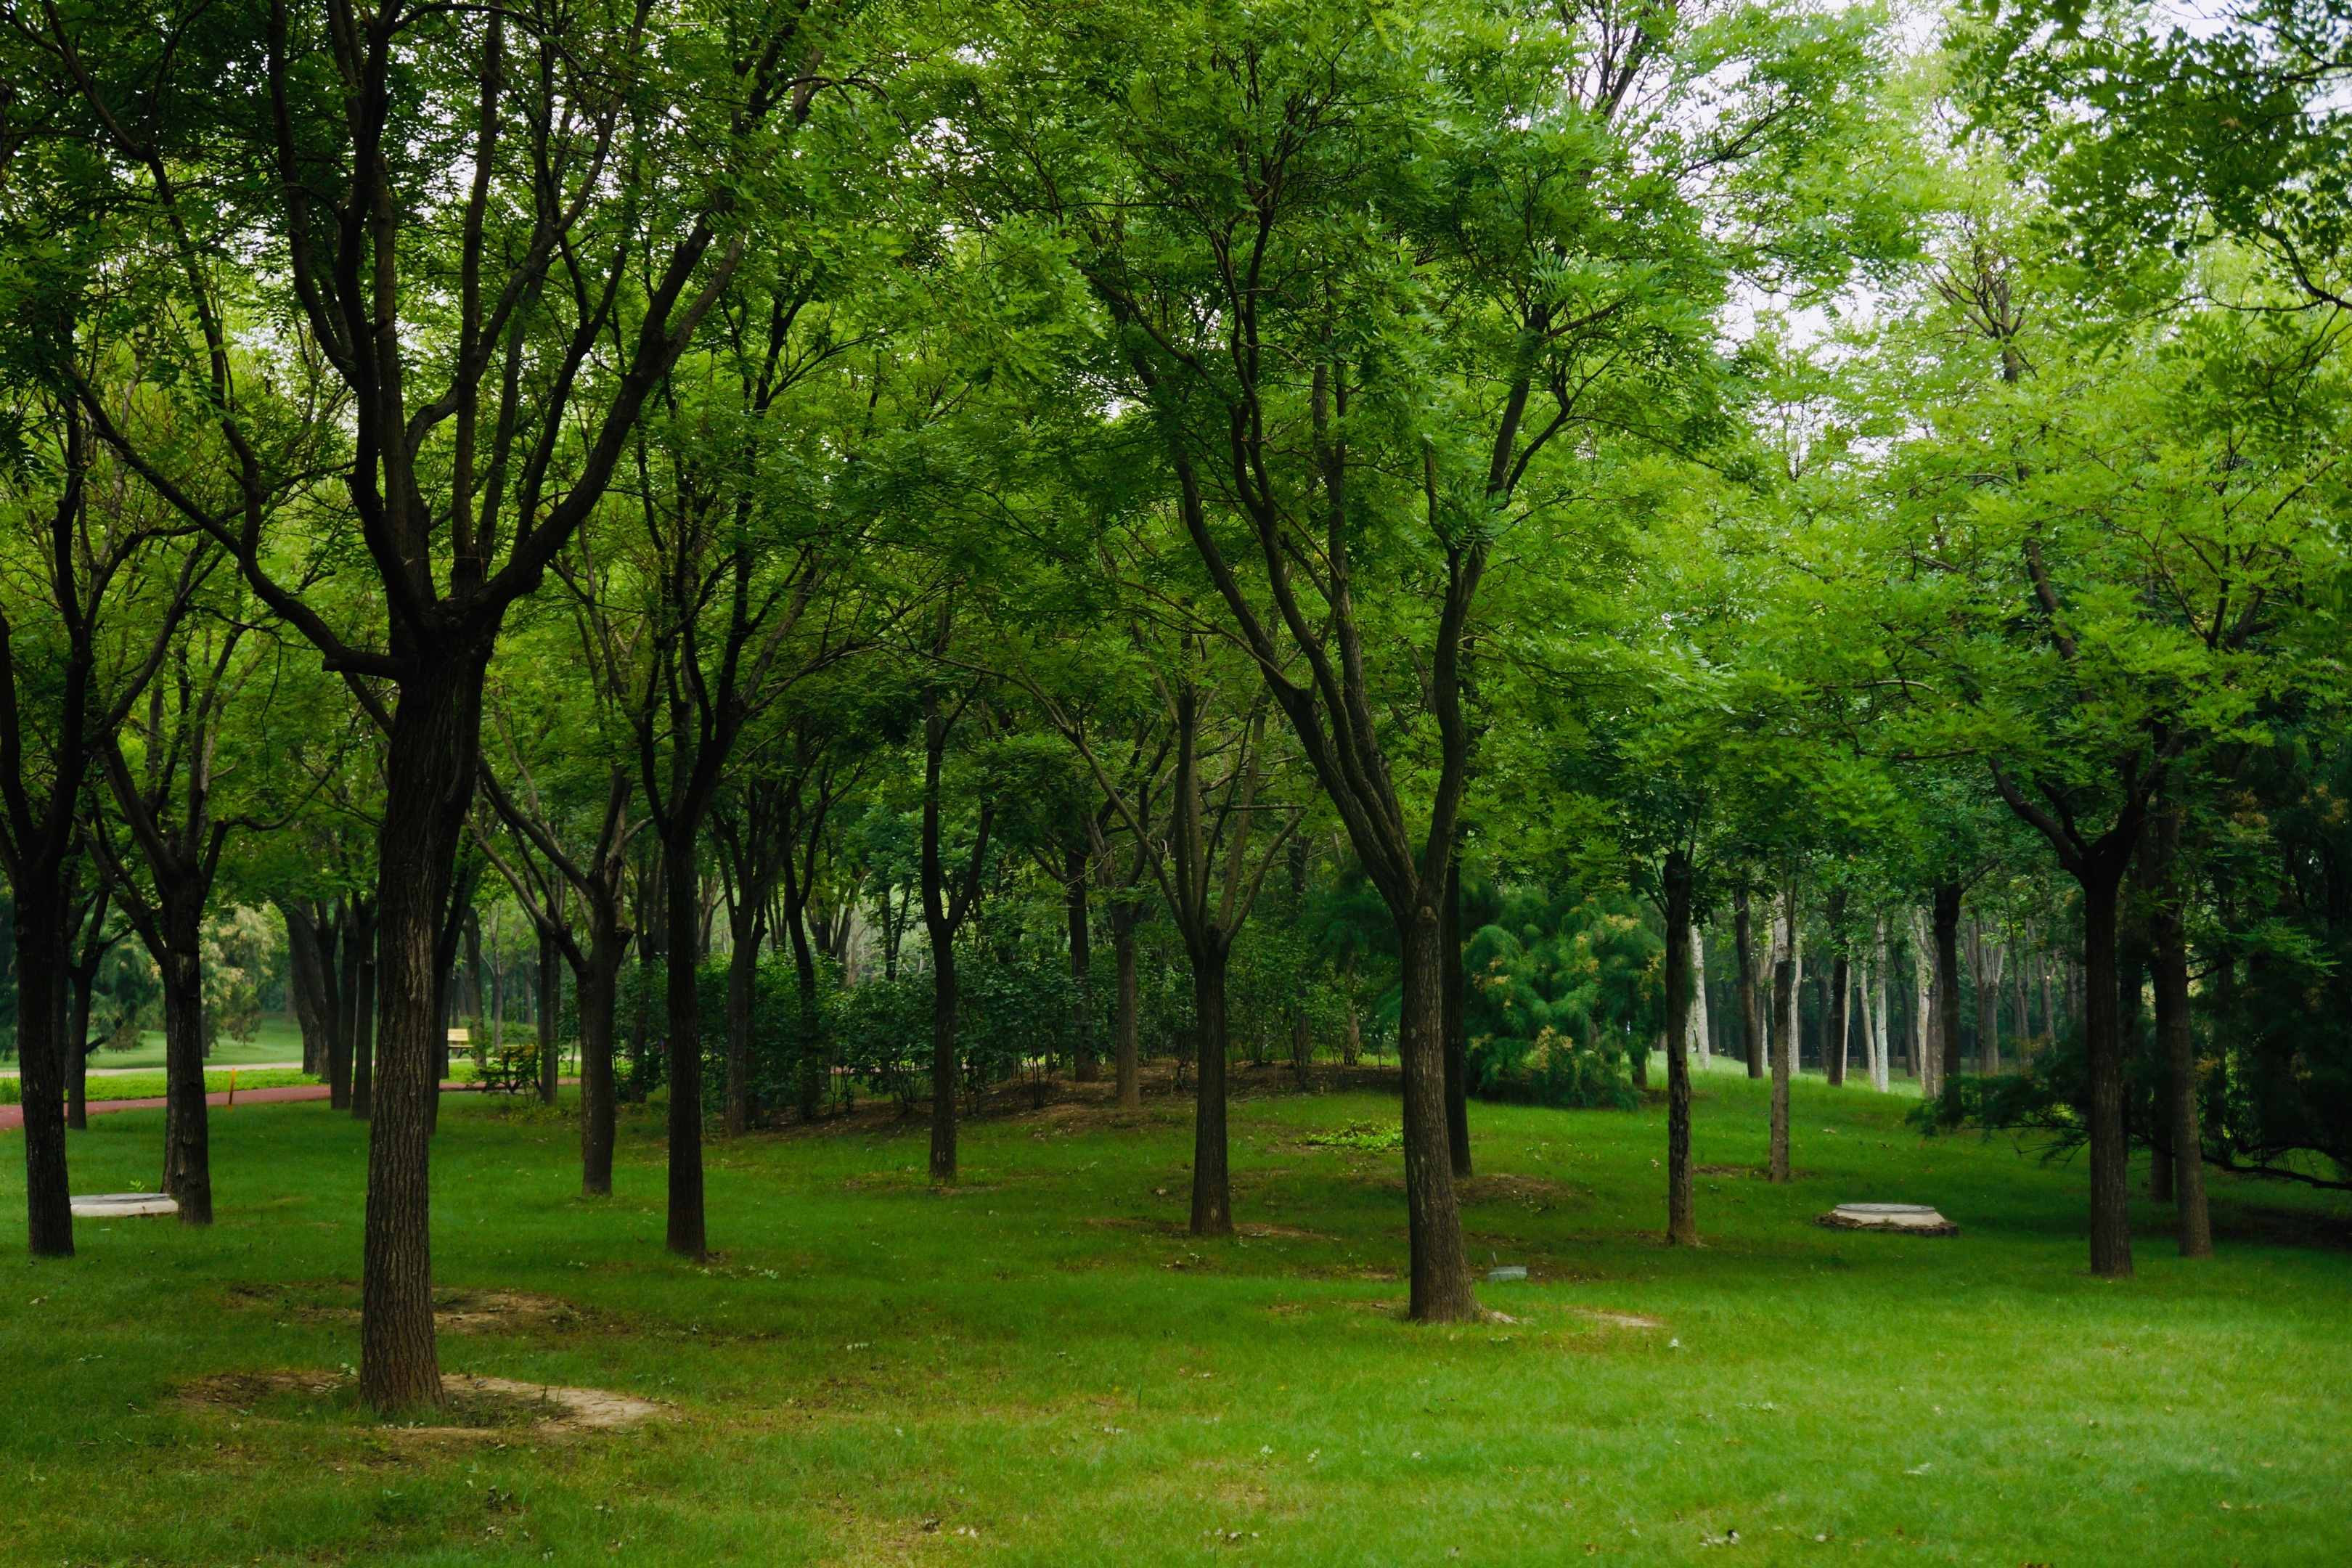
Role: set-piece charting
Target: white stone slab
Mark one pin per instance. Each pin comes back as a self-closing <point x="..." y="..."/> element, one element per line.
<point x="123" y="1205"/>
<point x="1915" y="1219"/>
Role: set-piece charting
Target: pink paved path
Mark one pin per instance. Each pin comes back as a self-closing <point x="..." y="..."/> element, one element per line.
<point x="12" y="1117"/>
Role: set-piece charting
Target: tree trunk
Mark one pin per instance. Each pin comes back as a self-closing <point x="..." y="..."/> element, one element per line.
<point x="1075" y="868"/>
<point x="598" y="984"/>
<point x="76" y="1042"/>
<point x="1125" y="1026"/>
<point x="1701" y="1039"/>
<point x="943" y="1056"/>
<point x="551" y="1017"/>
<point x="1457" y="1026"/>
<point x="428" y="787"/>
<point x="816" y="1060"/>
<point x="1837" y="1020"/>
<point x="40" y="955"/>
<point x="304" y="985"/>
<point x="742" y="986"/>
<point x="2110" y="1215"/>
<point x="1743" y="942"/>
<point x="1784" y="1044"/>
<point x="1950" y="1059"/>
<point x="188" y="1141"/>
<point x="1213" y="1201"/>
<point x="1681" y="1220"/>
<point x="359" y="1043"/>
<point x="682" y="1018"/>
<point x="2169" y="961"/>
<point x="1441" y="1268"/>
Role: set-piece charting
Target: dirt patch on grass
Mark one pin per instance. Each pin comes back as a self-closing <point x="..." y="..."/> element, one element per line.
<point x="1279" y="1233"/>
<point x="1618" y="1320"/>
<point x="1505" y="1188"/>
<point x="455" y="1311"/>
<point x="473" y="1406"/>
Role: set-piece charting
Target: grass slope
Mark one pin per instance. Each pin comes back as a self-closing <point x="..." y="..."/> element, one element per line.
<point x="1042" y="1358"/>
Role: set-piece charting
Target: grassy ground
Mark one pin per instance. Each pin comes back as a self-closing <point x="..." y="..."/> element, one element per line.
<point x="275" y="1041"/>
<point x="871" y="1370"/>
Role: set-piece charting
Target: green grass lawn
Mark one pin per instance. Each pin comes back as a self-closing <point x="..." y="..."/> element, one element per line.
<point x="275" y="1041"/>
<point x="1042" y="1356"/>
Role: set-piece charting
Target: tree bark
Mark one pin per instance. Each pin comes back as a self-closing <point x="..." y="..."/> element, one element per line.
<point x="1743" y="942"/>
<point x="1682" y="1220"/>
<point x="1078" y="866"/>
<point x="1784" y="1044"/>
<point x="2169" y="961"/>
<point x="359" y="941"/>
<point x="599" y="985"/>
<point x="1213" y="1201"/>
<point x="742" y="985"/>
<point x="1440" y="1269"/>
<point x="1837" y="1019"/>
<point x="1948" y="982"/>
<point x="551" y="1017"/>
<point x="2110" y="1214"/>
<point x="1457" y="1027"/>
<point x="682" y="1017"/>
<point x="429" y="766"/>
<point x="187" y="1138"/>
<point x="40" y="953"/>
<point x="1125" y="1026"/>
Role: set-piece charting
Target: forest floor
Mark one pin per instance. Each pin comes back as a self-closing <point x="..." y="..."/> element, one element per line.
<point x="1040" y="1367"/>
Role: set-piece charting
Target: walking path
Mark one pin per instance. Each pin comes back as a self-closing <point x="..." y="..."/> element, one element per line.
<point x="12" y="1117"/>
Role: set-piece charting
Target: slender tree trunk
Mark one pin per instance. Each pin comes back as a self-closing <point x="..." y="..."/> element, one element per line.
<point x="1440" y="1267"/>
<point x="1701" y="1043"/>
<point x="1213" y="1201"/>
<point x="2169" y="961"/>
<point x="188" y="1141"/>
<point x="1125" y="1026"/>
<point x="1075" y="868"/>
<point x="1784" y="1042"/>
<point x="304" y="985"/>
<point x="742" y="983"/>
<point x="1457" y="1027"/>
<point x="1743" y="942"/>
<point x="1948" y="983"/>
<point x="76" y="1041"/>
<point x="682" y="1018"/>
<point x="360" y="935"/>
<point x="1837" y="1020"/>
<point x="943" y="1057"/>
<point x="1682" y="1219"/>
<point x="551" y="1017"/>
<point x="817" y="1059"/>
<point x="2110" y="1214"/>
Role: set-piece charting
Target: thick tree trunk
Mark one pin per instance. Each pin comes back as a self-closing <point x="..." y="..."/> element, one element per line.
<point x="1457" y="1027"/>
<point x="1682" y="1220"/>
<point x="1950" y="1059"/>
<point x="2110" y="1215"/>
<point x="187" y="1139"/>
<point x="1441" y="1268"/>
<point x="682" y="1018"/>
<point x="2168" y="961"/>
<point x="1075" y="868"/>
<point x="1212" y="1200"/>
<point x="40" y="954"/>
<point x="430" y="773"/>
<point x="1743" y="942"/>
<point x="599" y="986"/>
<point x="1125" y="1026"/>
